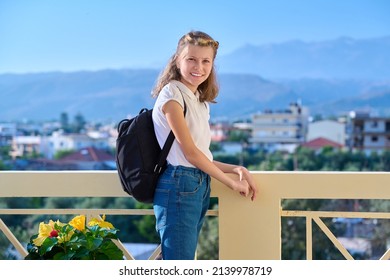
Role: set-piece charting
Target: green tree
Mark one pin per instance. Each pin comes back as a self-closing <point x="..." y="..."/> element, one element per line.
<point x="2" y="165"/>
<point x="63" y="153"/>
<point x="215" y="147"/>
<point x="5" y="152"/>
<point x="238" y="136"/>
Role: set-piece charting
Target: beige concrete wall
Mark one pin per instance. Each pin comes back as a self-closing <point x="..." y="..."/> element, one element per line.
<point x="247" y="230"/>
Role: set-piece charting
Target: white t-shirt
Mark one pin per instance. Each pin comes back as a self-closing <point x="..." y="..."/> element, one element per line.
<point x="197" y="118"/>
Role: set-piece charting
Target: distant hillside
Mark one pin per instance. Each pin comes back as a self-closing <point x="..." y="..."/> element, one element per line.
<point x="336" y="97"/>
<point x="114" y="94"/>
<point x="100" y="95"/>
<point x="241" y="95"/>
<point x="375" y="102"/>
<point x="343" y="58"/>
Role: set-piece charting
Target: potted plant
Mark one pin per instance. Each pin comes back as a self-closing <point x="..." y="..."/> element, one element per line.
<point x="75" y="240"/>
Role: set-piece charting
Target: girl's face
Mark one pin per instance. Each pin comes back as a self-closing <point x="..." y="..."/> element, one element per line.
<point x="195" y="64"/>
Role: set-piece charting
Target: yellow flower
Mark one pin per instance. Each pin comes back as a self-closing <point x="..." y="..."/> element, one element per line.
<point x="78" y="222"/>
<point x="44" y="232"/>
<point x="101" y="223"/>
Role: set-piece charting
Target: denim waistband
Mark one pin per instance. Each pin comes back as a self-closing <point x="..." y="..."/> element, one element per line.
<point x="180" y="169"/>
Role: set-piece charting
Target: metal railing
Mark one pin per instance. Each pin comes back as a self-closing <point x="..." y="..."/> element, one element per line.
<point x="316" y="216"/>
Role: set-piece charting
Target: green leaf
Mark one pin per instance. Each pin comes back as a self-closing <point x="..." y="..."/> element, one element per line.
<point x="47" y="245"/>
<point x="111" y="250"/>
<point x="64" y="256"/>
<point x="94" y="242"/>
<point x="33" y="256"/>
<point x="82" y="254"/>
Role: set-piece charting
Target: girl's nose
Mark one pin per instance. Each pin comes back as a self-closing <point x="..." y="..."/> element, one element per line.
<point x="197" y="66"/>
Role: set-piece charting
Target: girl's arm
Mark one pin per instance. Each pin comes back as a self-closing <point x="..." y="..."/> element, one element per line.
<point x="174" y="114"/>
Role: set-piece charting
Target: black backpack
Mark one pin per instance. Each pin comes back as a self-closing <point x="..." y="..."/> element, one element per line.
<point x="139" y="158"/>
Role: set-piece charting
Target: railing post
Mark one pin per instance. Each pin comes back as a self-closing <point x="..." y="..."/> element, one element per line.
<point x="309" y="238"/>
<point x="19" y="247"/>
<point x="248" y="230"/>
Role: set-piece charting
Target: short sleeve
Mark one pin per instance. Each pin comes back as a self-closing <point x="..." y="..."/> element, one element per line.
<point x="168" y="93"/>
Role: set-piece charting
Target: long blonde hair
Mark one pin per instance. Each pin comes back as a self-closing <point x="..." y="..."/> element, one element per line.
<point x="208" y="90"/>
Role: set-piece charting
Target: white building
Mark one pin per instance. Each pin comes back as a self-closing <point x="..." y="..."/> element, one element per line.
<point x="284" y="127"/>
<point x="332" y="130"/>
<point x="25" y="145"/>
<point x="371" y="134"/>
<point x="58" y="141"/>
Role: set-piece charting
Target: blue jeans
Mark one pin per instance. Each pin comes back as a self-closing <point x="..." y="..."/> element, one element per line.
<point x="180" y="204"/>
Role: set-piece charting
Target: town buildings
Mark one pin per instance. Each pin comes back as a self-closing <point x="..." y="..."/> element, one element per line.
<point x="269" y="130"/>
<point x="31" y="149"/>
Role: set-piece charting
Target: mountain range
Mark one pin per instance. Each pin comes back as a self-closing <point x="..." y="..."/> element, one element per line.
<point x="342" y="58"/>
<point x="330" y="78"/>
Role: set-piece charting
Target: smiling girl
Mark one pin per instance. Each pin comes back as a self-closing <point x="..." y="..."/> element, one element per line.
<point x="183" y="192"/>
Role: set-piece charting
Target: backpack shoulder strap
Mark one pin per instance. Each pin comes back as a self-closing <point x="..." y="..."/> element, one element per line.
<point x="167" y="146"/>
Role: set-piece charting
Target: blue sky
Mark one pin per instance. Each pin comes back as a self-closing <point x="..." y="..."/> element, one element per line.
<point x="72" y="35"/>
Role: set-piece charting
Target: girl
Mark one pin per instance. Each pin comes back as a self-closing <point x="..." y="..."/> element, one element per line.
<point x="183" y="191"/>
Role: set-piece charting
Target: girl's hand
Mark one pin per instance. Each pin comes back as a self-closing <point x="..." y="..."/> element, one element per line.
<point x="245" y="175"/>
<point x="242" y="187"/>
